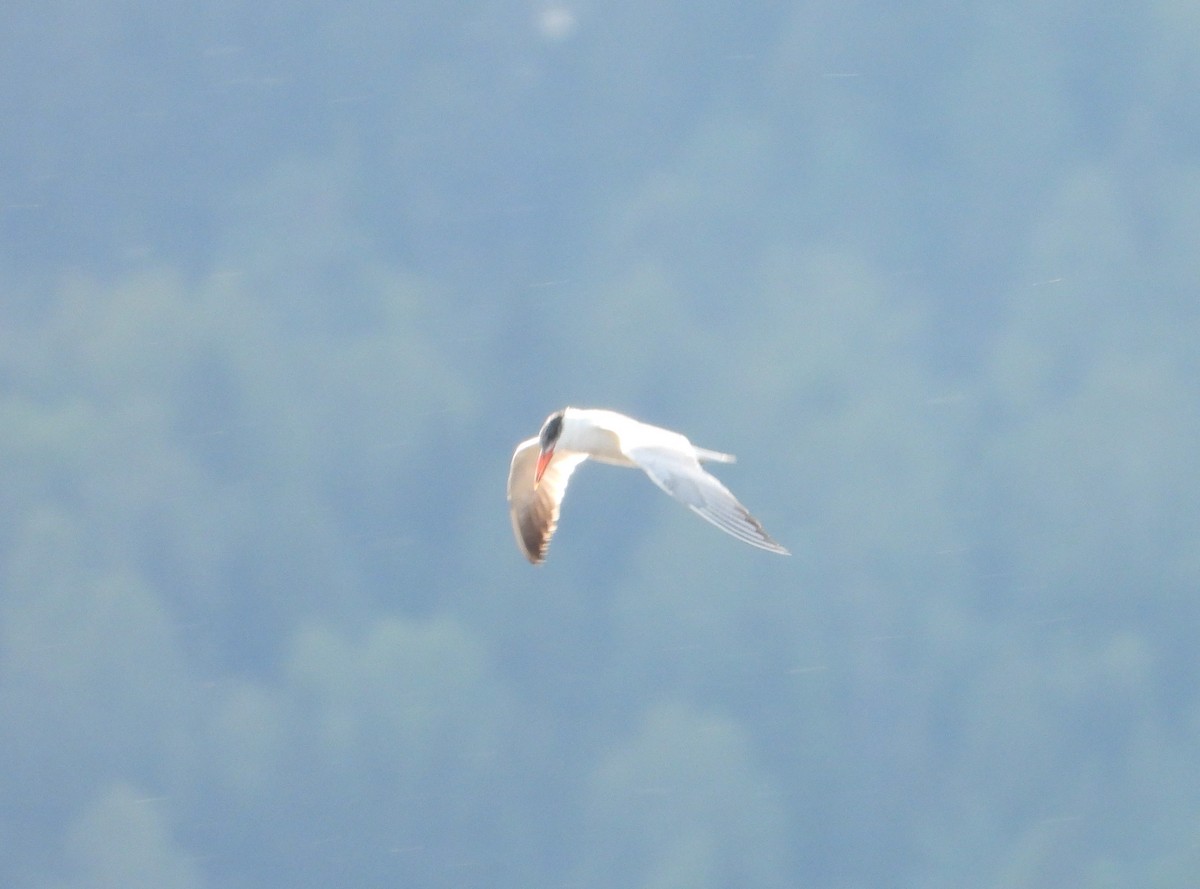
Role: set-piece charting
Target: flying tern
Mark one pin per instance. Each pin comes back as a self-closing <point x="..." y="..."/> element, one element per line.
<point x="542" y="466"/>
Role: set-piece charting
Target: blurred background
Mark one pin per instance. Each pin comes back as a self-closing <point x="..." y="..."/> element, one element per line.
<point x="283" y="284"/>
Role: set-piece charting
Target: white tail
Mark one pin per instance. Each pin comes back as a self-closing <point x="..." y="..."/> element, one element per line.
<point x="703" y="454"/>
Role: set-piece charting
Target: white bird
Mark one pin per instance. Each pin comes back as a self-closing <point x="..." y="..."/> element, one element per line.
<point x="542" y="466"/>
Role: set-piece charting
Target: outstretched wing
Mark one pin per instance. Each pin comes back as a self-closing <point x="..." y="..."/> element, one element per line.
<point x="681" y="476"/>
<point x="534" y="512"/>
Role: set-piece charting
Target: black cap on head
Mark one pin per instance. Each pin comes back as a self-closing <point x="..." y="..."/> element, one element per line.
<point x="551" y="430"/>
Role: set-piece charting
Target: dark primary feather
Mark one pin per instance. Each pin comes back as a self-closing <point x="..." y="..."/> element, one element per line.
<point x="535" y="511"/>
<point x="684" y="479"/>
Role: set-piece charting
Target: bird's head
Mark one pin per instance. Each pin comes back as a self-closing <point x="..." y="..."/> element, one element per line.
<point x="547" y="439"/>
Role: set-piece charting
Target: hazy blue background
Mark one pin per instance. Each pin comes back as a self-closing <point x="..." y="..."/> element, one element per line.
<point x="282" y="284"/>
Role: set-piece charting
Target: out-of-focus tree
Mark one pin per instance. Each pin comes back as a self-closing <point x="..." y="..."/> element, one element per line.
<point x="683" y="804"/>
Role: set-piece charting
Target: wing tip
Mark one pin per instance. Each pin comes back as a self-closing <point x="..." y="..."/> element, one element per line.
<point x="745" y="528"/>
<point x="776" y="547"/>
<point x="768" y="542"/>
<point x="536" y="546"/>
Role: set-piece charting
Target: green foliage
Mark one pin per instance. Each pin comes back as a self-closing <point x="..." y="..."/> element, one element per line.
<point x="124" y="840"/>
<point x="683" y="805"/>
